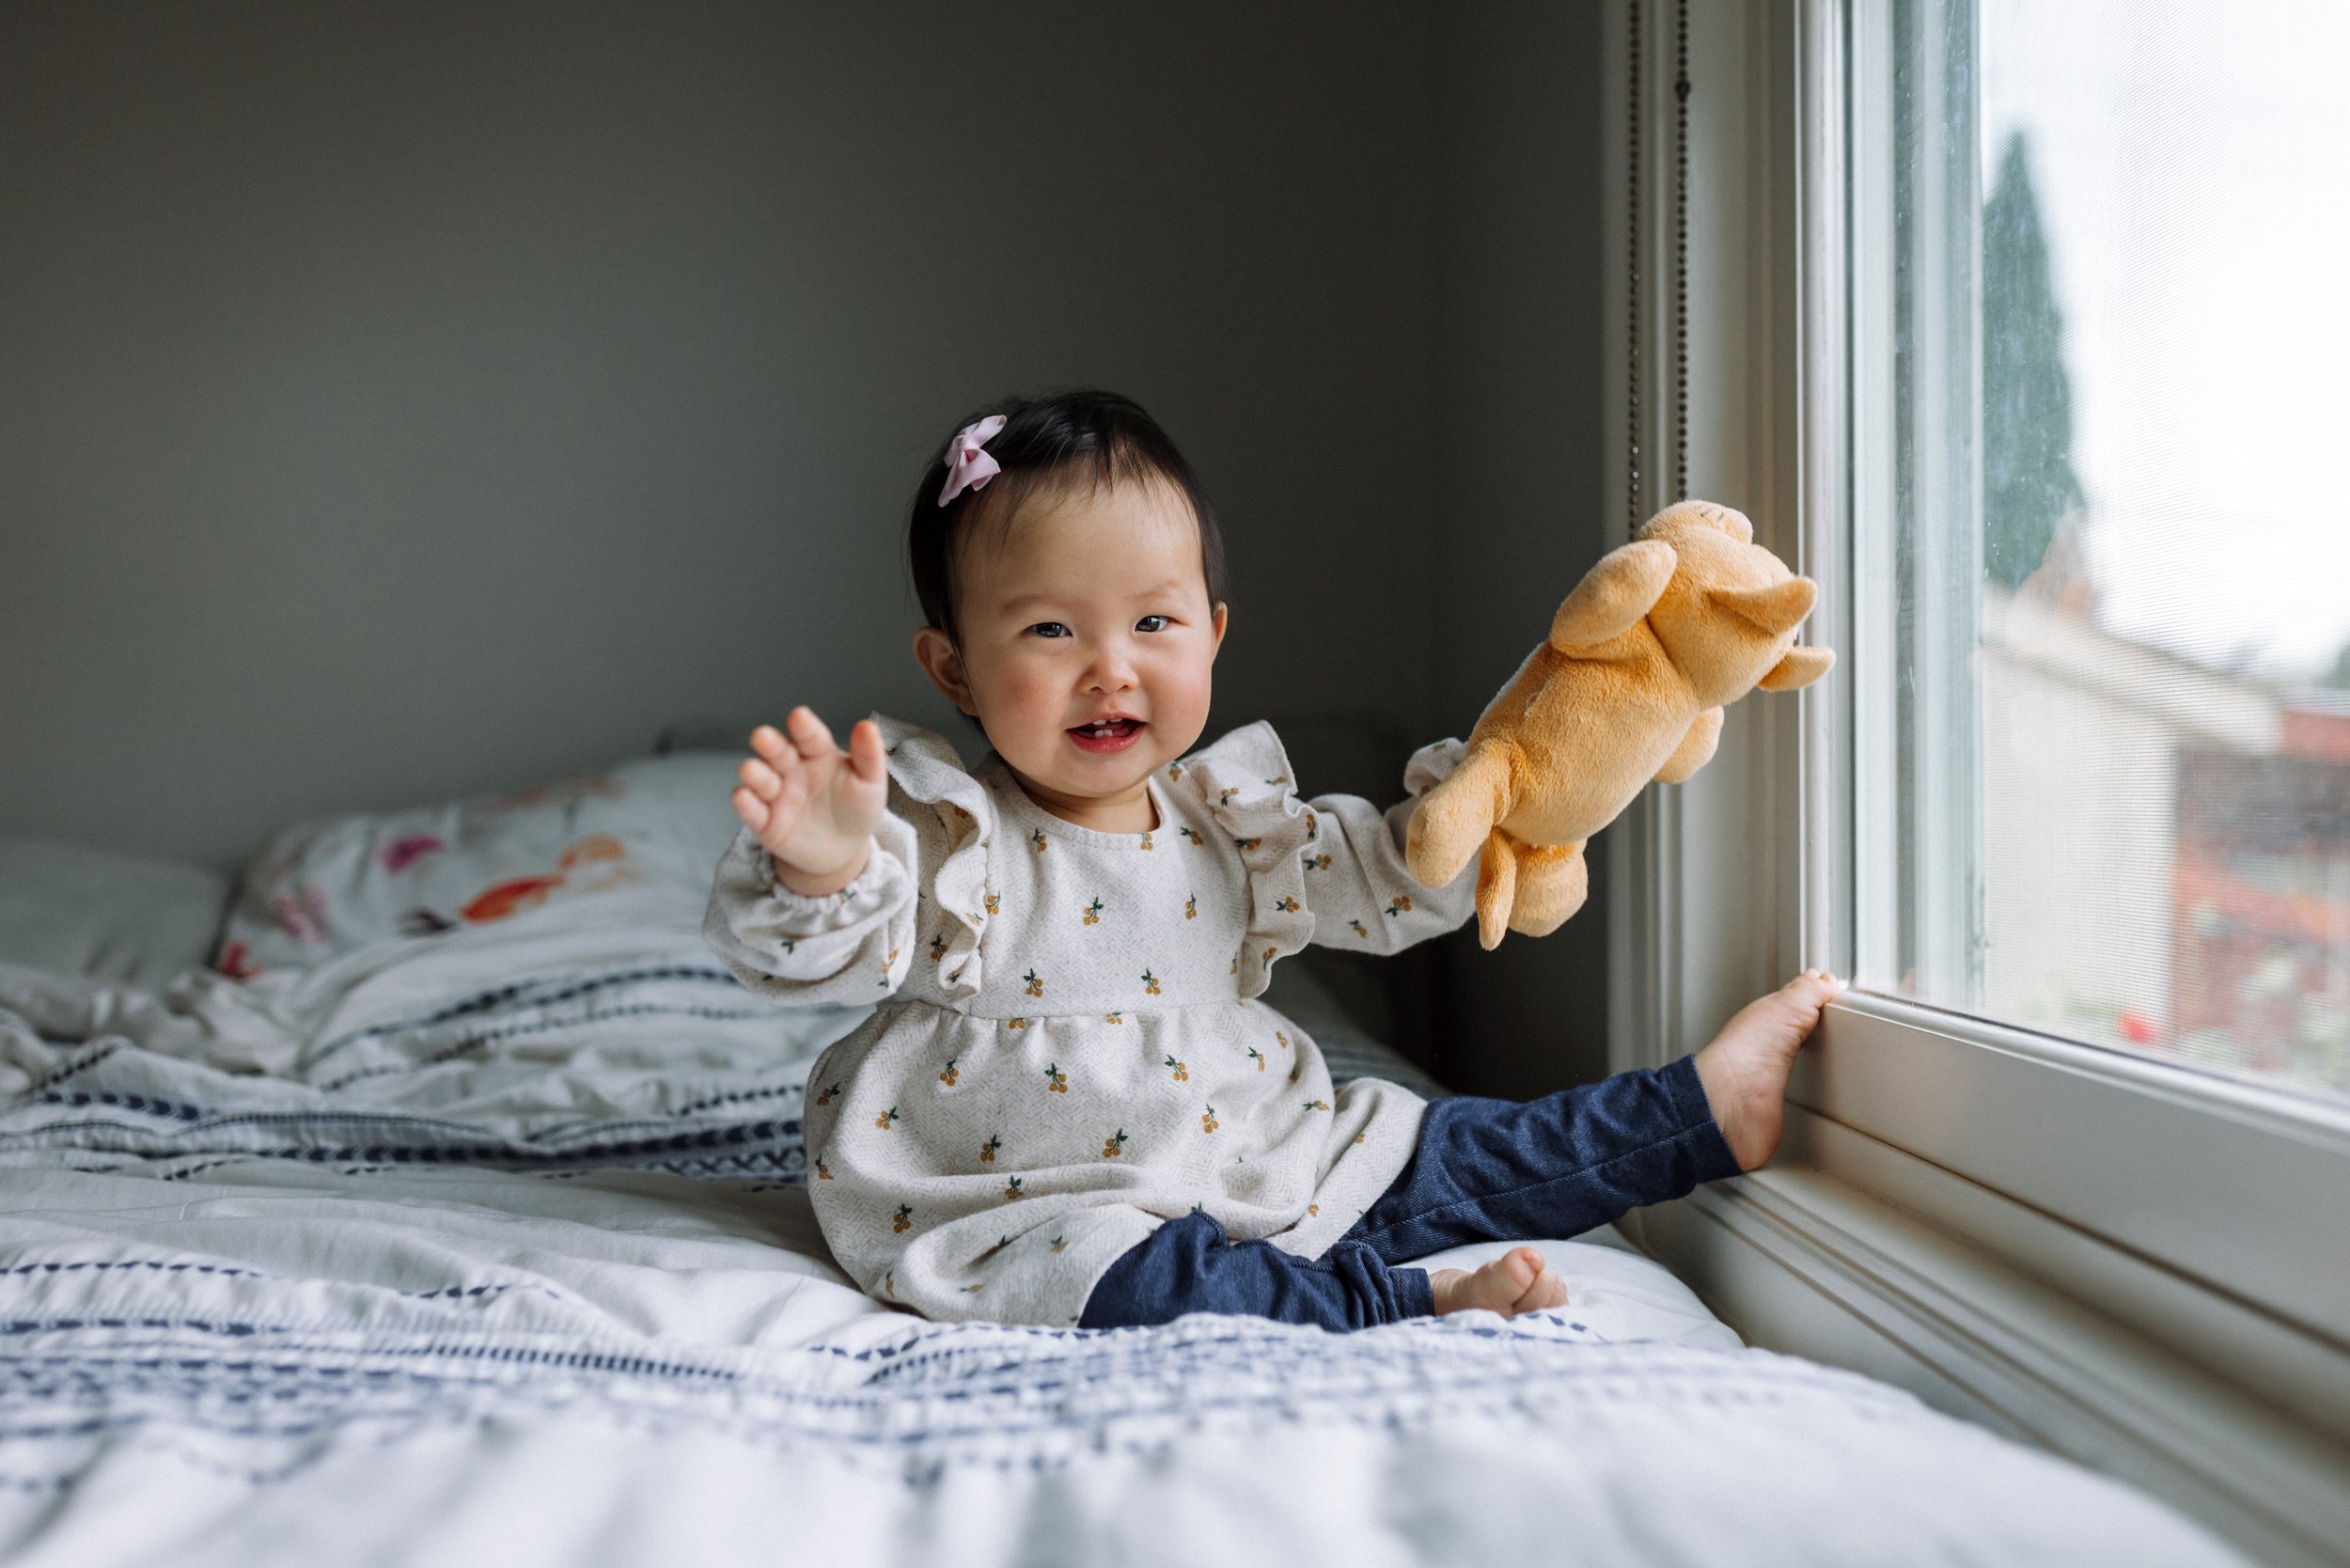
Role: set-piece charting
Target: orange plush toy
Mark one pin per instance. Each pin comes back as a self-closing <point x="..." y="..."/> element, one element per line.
<point x="1630" y="686"/>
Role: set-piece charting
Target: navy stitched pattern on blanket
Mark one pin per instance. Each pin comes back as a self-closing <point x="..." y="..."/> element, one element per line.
<point x="440" y="1292"/>
<point x="941" y="1394"/>
<point x="162" y="1129"/>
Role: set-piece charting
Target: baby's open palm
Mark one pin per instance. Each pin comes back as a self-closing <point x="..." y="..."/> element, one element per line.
<point x="813" y="805"/>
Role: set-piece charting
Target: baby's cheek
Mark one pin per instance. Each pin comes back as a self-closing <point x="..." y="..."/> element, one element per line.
<point x="1034" y="700"/>
<point x="1186" y="692"/>
<point x="1007" y="691"/>
<point x="1023" y="716"/>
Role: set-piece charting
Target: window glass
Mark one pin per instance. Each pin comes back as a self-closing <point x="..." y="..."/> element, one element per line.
<point x="2110" y="240"/>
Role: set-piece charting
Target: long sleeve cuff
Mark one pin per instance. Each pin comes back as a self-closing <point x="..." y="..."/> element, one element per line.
<point x="846" y="945"/>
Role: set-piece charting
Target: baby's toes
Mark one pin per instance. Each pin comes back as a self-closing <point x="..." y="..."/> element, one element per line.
<point x="1798" y="1004"/>
<point x="1814" y="988"/>
<point x="1519" y="1281"/>
<point x="1515" y="1279"/>
<point x="1494" y="1287"/>
<point x="1547" y="1292"/>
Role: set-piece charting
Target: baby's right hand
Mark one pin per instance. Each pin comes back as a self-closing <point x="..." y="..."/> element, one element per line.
<point x="812" y="804"/>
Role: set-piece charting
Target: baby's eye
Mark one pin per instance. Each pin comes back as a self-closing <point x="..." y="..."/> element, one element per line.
<point x="1160" y="618"/>
<point x="1049" y="628"/>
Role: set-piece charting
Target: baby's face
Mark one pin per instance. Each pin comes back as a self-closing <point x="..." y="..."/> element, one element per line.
<point x="1094" y="606"/>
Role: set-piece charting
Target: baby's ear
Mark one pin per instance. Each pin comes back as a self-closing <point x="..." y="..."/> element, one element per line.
<point x="935" y="653"/>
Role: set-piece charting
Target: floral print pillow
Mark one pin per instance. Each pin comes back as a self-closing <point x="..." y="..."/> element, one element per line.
<point x="321" y="888"/>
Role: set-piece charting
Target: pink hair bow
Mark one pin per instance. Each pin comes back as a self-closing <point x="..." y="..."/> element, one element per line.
<point x="966" y="463"/>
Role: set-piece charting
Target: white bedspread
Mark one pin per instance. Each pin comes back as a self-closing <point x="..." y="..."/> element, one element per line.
<point x="495" y="1252"/>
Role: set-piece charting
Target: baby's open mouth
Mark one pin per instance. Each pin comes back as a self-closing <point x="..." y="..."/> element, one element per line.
<point x="1113" y="729"/>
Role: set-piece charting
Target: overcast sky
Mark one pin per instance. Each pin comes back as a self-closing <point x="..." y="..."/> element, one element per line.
<point x="2193" y="167"/>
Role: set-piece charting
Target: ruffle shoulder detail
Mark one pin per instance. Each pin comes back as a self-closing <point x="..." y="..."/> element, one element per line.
<point x="1248" y="787"/>
<point x="954" y="819"/>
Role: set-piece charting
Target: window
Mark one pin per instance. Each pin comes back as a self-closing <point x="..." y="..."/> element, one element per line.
<point x="2104" y="589"/>
<point x="2073" y="1157"/>
<point x="2090" y="794"/>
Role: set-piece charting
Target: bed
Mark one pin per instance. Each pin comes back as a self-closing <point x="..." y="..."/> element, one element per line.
<point x="430" y="1194"/>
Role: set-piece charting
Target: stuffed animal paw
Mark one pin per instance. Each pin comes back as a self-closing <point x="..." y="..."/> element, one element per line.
<point x="1630" y="685"/>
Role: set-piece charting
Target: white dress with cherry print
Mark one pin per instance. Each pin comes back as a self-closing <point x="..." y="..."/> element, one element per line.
<point x="1068" y="1050"/>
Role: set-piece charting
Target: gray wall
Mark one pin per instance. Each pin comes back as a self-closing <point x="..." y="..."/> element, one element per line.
<point x="1518" y="312"/>
<point x="402" y="402"/>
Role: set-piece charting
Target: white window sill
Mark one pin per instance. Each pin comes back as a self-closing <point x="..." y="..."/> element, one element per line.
<point x="1941" y="1286"/>
<point x="2239" y="1188"/>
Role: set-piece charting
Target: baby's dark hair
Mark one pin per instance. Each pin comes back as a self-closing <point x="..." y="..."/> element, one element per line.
<point x="1047" y="443"/>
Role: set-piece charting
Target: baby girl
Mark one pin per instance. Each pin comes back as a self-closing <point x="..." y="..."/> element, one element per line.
<point x="1070" y="1107"/>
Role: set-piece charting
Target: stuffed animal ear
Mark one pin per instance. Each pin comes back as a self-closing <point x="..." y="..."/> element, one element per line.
<point x="1774" y="610"/>
<point x="1614" y="595"/>
<point x="1801" y="666"/>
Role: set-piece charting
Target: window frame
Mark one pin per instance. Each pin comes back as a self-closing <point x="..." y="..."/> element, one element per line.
<point x="2147" y="1227"/>
<point x="2185" y="1156"/>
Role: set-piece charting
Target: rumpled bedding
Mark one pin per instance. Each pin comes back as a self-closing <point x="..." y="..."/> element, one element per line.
<point x="493" y="1248"/>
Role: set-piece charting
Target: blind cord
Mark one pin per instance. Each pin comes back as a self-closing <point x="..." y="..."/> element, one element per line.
<point x="1632" y="285"/>
<point x="1681" y="256"/>
<point x="1632" y="363"/>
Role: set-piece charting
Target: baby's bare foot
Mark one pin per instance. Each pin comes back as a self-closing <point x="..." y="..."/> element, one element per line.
<point x="1518" y="1282"/>
<point x="1744" y="1070"/>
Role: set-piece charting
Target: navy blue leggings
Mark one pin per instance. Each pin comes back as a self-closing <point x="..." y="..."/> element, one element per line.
<point x="1484" y="1170"/>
